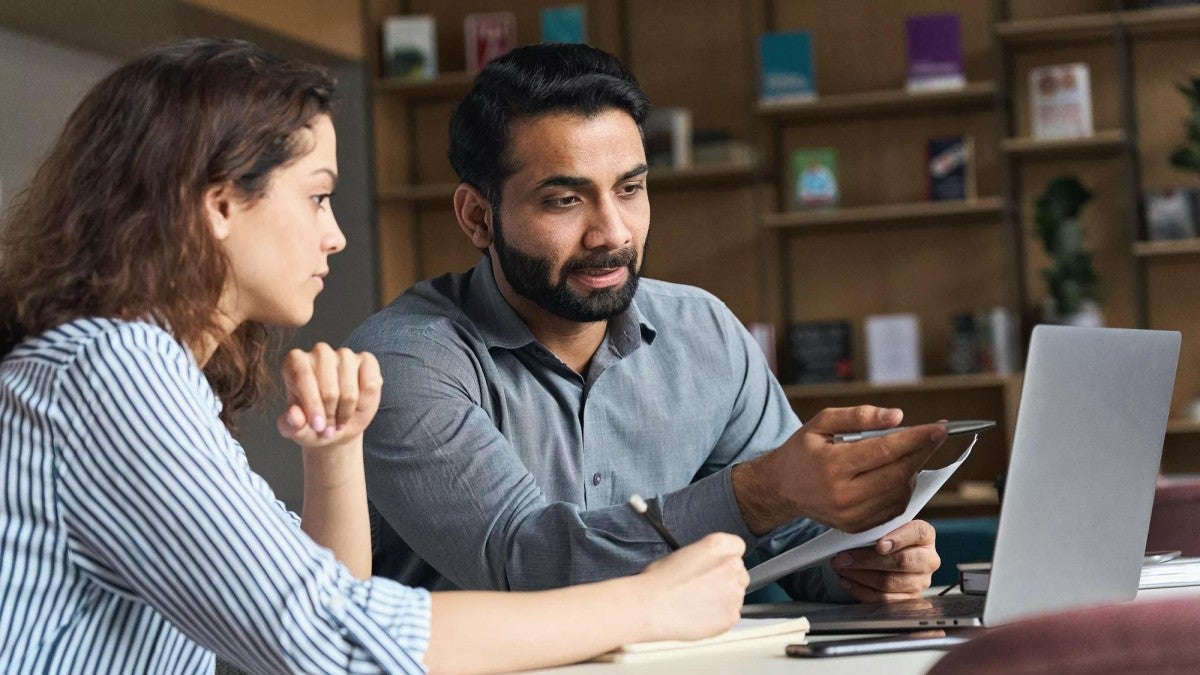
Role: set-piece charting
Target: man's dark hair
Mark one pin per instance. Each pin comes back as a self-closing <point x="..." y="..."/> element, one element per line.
<point x="529" y="82"/>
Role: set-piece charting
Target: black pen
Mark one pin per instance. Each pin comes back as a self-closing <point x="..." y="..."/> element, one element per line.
<point x="640" y="506"/>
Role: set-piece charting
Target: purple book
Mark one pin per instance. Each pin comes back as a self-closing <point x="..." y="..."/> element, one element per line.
<point x="935" y="58"/>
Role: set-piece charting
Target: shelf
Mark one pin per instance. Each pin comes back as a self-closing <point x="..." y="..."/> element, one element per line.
<point x="699" y="175"/>
<point x="706" y="174"/>
<point x="446" y="86"/>
<point x="919" y="213"/>
<point x="1162" y="20"/>
<point x="1183" y="426"/>
<point x="928" y="384"/>
<point x="950" y="499"/>
<point x="890" y="102"/>
<point x="1104" y="142"/>
<point x="1162" y="249"/>
<point x="1057" y="29"/>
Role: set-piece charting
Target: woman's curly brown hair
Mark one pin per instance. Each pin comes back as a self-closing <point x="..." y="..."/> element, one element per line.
<point x="112" y="223"/>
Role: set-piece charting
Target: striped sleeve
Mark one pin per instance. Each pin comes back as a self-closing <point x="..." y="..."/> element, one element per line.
<point x="158" y="506"/>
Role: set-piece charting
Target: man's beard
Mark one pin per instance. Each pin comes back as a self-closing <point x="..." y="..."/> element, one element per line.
<point x="529" y="276"/>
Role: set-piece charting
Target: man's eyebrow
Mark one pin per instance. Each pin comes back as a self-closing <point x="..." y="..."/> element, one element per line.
<point x="562" y="180"/>
<point x="332" y="175"/>
<point x="635" y="171"/>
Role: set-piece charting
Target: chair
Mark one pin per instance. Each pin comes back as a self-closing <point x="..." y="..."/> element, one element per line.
<point x="1175" y="518"/>
<point x="1137" y="638"/>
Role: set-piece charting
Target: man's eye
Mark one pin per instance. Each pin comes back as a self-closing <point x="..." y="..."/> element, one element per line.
<point x="562" y="201"/>
<point x="634" y="188"/>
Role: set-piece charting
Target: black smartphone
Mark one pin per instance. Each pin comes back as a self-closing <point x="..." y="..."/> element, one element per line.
<point x="873" y="645"/>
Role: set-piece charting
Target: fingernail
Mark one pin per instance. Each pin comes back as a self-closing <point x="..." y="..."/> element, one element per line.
<point x="289" y="422"/>
<point x="891" y="414"/>
<point x="938" y="435"/>
<point x="328" y="433"/>
<point x="886" y="545"/>
<point x="318" y="423"/>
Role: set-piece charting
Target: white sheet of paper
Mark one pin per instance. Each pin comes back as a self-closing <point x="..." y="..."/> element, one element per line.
<point x="826" y="545"/>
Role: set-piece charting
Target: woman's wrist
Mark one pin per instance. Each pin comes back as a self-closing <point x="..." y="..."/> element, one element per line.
<point x="333" y="466"/>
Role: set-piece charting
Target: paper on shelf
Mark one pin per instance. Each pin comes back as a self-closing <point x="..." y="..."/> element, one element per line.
<point x="830" y="543"/>
<point x="747" y="633"/>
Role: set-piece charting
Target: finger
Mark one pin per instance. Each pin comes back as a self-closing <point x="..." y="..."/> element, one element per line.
<point x="325" y="365"/>
<point x="915" y="444"/>
<point x="302" y="388"/>
<point x="370" y="384"/>
<point x="864" y="593"/>
<point x="889" y="583"/>
<point x="858" y="418"/>
<point x="291" y="422"/>
<point x="348" y="365"/>
<point x="914" y="533"/>
<point x="911" y="560"/>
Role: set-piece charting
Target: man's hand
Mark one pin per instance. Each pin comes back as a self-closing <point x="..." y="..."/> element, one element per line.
<point x="849" y="486"/>
<point x="898" y="567"/>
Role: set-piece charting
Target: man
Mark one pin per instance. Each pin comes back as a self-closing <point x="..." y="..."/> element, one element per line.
<point x="525" y="400"/>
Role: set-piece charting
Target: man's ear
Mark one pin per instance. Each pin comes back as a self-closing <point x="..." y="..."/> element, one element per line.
<point x="474" y="213"/>
<point x="218" y="207"/>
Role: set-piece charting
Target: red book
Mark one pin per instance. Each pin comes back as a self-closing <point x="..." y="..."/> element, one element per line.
<point x="488" y="36"/>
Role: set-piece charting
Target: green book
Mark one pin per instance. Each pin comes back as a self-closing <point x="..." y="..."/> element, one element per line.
<point x="815" y="178"/>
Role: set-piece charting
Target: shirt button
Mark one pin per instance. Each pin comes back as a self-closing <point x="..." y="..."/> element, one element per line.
<point x="596" y="479"/>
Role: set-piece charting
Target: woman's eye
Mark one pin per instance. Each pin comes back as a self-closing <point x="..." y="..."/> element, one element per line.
<point x="320" y="200"/>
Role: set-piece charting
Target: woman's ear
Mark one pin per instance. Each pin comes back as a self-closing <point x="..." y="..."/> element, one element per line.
<point x="474" y="213"/>
<point x="218" y="207"/>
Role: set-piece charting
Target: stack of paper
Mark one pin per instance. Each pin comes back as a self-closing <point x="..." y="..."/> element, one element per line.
<point x="747" y="633"/>
<point x="1177" y="572"/>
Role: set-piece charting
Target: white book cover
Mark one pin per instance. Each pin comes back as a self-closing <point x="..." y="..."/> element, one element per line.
<point x="668" y="132"/>
<point x="1060" y="99"/>
<point x="893" y="348"/>
<point x="410" y="47"/>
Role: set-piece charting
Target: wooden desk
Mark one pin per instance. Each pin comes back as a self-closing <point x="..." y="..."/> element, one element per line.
<point x="768" y="658"/>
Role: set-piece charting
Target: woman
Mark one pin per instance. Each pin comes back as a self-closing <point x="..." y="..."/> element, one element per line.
<point x="185" y="207"/>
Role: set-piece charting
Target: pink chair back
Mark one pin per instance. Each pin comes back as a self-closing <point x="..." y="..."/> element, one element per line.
<point x="1140" y="638"/>
<point x="1175" y="518"/>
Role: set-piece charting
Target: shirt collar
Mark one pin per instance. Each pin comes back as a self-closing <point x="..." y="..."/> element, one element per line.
<point x="500" y="326"/>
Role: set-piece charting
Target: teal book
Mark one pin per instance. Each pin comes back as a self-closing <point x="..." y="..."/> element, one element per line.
<point x="564" y="24"/>
<point x="787" y="66"/>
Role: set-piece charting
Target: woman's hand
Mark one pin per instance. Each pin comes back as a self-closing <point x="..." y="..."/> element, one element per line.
<point x="697" y="591"/>
<point x="331" y="395"/>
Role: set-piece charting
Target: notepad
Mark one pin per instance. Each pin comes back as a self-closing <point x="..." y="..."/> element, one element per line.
<point x="746" y="634"/>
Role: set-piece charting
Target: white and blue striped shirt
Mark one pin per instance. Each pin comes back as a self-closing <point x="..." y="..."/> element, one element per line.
<point x="135" y="537"/>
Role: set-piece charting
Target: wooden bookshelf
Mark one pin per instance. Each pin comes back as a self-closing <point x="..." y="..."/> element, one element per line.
<point x="708" y="174"/>
<point x="1057" y="29"/>
<point x="421" y="194"/>
<point x="949" y="212"/>
<point x="1162" y="21"/>
<point x="936" y="383"/>
<point x="877" y="103"/>
<point x="1171" y="248"/>
<point x="450" y="85"/>
<point x="1109" y="141"/>
<point x="1183" y="426"/>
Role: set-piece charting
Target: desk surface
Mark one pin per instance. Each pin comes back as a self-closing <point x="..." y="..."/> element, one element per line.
<point x="768" y="657"/>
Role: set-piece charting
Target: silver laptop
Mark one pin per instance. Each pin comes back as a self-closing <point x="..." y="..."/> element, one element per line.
<point x="1078" y="492"/>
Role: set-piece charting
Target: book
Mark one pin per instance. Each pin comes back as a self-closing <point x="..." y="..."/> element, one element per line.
<point x="819" y="351"/>
<point x="410" y="47"/>
<point x="567" y="23"/>
<point x="975" y="577"/>
<point x="935" y="55"/>
<point x="815" y="178"/>
<point x="1060" y="98"/>
<point x="668" y="137"/>
<point x="996" y="331"/>
<point x="950" y="168"/>
<point x="487" y="36"/>
<point x="1171" y="214"/>
<point x="786" y="63"/>
<point x="893" y="344"/>
<point x="964" y="344"/>
<point x="747" y="632"/>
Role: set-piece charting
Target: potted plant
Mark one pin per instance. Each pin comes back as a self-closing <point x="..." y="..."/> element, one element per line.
<point x="1074" y="289"/>
<point x="1187" y="156"/>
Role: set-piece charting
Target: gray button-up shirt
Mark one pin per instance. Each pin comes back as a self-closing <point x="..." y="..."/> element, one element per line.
<point x="493" y="465"/>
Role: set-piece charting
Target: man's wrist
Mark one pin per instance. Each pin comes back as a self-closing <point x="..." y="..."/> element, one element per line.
<point x="757" y="498"/>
